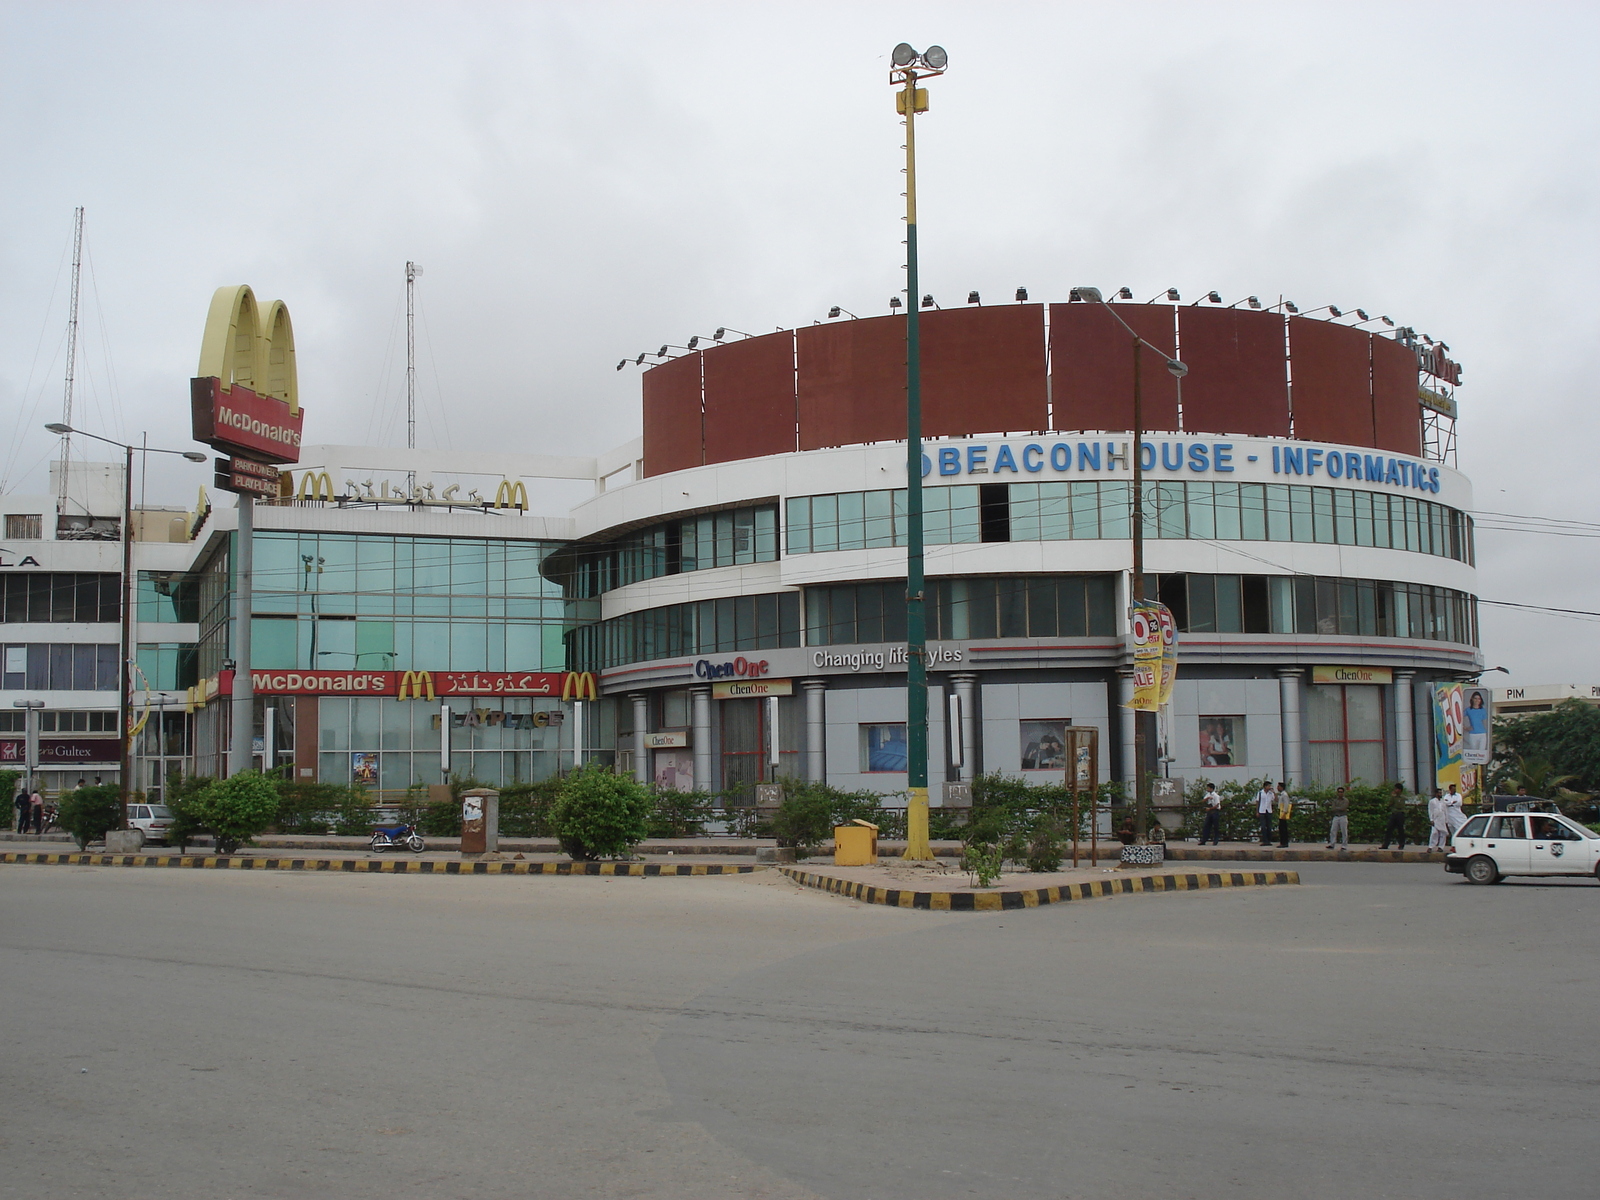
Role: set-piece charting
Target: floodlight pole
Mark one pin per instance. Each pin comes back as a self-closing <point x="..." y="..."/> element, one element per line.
<point x="917" y="848"/>
<point x="1141" y="720"/>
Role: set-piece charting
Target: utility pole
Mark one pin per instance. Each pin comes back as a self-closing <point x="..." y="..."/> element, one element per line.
<point x="908" y="67"/>
<point x="412" y="271"/>
<point x="72" y="359"/>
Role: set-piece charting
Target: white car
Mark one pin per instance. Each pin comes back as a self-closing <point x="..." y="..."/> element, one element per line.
<point x="152" y="820"/>
<point x="1491" y="846"/>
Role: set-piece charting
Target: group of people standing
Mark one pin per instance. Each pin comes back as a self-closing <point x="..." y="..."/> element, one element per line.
<point x="29" y="803"/>
<point x="1275" y="807"/>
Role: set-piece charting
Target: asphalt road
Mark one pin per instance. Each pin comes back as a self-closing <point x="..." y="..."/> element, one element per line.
<point x="1380" y="1030"/>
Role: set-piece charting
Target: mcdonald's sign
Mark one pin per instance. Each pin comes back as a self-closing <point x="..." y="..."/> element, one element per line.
<point x="579" y="685"/>
<point x="315" y="485"/>
<point x="416" y="681"/>
<point x="246" y="398"/>
<point x="511" y="494"/>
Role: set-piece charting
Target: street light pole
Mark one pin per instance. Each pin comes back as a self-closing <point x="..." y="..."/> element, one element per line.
<point x="911" y="100"/>
<point x="128" y="592"/>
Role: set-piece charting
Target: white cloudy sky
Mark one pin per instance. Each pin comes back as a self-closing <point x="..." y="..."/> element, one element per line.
<point x="585" y="181"/>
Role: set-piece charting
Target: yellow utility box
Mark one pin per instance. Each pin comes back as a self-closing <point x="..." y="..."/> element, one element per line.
<point x="856" y="844"/>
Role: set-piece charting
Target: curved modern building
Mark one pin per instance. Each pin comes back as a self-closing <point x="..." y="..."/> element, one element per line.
<point x="743" y="598"/>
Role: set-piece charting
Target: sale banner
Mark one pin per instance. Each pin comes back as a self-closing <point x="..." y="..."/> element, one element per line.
<point x="1449" y="725"/>
<point x="1155" y="655"/>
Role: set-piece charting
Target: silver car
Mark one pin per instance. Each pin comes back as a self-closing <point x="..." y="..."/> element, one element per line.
<point x="1491" y="846"/>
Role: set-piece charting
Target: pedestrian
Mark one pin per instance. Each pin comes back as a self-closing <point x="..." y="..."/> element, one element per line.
<point x="1283" y="803"/>
<point x="1396" y="828"/>
<point x="1266" y="798"/>
<point x="1438" y="831"/>
<point x="1454" y="818"/>
<point x="36" y="802"/>
<point x="1339" y="824"/>
<point x="1212" y="826"/>
<point x="24" y="809"/>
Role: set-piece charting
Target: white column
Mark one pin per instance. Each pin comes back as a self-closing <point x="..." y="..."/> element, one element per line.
<point x="641" y="726"/>
<point x="1289" y="708"/>
<point x="1405" y="729"/>
<point x="969" y="724"/>
<point x="816" y="691"/>
<point x="700" y="699"/>
<point x="1128" y="728"/>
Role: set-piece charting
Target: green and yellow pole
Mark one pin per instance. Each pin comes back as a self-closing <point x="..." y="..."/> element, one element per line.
<point x="917" y="848"/>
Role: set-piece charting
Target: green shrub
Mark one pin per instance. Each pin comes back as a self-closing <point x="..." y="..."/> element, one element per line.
<point x="600" y="814"/>
<point x="236" y="809"/>
<point x="676" y="814"/>
<point x="186" y="824"/>
<point x="1369" y="812"/>
<point x="88" y="812"/>
<point x="525" y="808"/>
<point x="982" y="863"/>
<point x="8" y="789"/>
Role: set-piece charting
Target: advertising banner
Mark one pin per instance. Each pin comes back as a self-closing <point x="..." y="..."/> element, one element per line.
<point x="411" y="685"/>
<point x="1155" y="655"/>
<point x="1327" y="674"/>
<point x="1449" y="720"/>
<point x="1476" y="746"/>
<point x="64" y="752"/>
<point x="735" y="690"/>
<point x="241" y="421"/>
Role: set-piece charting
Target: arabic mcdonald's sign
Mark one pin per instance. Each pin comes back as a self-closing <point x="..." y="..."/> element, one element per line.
<point x="579" y="685"/>
<point x="246" y="397"/>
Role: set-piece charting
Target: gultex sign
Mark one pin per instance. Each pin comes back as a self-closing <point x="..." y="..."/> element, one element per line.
<point x="246" y="400"/>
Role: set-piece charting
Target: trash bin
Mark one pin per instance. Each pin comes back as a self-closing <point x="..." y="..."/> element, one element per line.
<point x="855" y="844"/>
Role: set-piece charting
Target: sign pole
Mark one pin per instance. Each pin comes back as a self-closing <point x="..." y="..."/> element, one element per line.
<point x="243" y="706"/>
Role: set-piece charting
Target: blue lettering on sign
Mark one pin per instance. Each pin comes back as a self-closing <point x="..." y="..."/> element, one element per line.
<point x="1175" y="456"/>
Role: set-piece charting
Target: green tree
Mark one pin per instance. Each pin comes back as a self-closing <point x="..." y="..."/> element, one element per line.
<point x="237" y="808"/>
<point x="88" y="812"/>
<point x="1544" y="748"/>
<point x="600" y="814"/>
<point x="186" y="825"/>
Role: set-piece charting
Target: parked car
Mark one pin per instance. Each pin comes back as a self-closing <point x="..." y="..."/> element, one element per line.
<point x="152" y="820"/>
<point x="1491" y="846"/>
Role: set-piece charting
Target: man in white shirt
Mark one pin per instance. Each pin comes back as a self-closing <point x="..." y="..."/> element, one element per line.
<point x="1212" y="828"/>
<point x="1266" y="801"/>
<point x="1439" y="829"/>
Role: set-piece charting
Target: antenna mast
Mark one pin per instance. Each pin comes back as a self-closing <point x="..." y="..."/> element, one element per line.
<point x="72" y="358"/>
<point x="412" y="271"/>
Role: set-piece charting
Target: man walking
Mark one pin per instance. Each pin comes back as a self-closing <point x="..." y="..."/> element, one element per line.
<point x="1266" y="798"/>
<point x="1396" y="828"/>
<point x="20" y="803"/>
<point x="1213" y="822"/>
<point x="1339" y="824"/>
<point x="1284" y="805"/>
<point x="1438" y="828"/>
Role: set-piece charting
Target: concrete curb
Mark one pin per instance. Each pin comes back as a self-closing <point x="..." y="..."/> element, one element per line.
<point x="1178" y="852"/>
<point x="1033" y="897"/>
<point x="374" y="866"/>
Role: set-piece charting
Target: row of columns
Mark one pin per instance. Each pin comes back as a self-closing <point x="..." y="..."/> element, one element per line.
<point x="963" y="685"/>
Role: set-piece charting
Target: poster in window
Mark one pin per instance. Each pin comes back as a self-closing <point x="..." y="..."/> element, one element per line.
<point x="883" y="748"/>
<point x="364" y="768"/>
<point x="1044" y="745"/>
<point x="674" y="770"/>
<point x="1222" y="741"/>
<point x="1475" y="726"/>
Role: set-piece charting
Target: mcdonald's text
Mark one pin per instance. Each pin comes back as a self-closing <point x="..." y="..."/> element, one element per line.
<point x="238" y="420"/>
<point x="414" y="684"/>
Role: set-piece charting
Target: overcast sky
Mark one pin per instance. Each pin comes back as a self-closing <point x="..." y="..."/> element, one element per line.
<point x="585" y="181"/>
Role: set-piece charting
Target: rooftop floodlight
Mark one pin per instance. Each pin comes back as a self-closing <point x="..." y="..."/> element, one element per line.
<point x="1387" y="322"/>
<point x="972" y="298"/>
<point x="639" y="362"/>
<point x="58" y="427"/>
<point x="621" y="363"/>
<point x="1177" y="369"/>
<point x="1172" y="294"/>
<point x="1022" y="295"/>
<point x="1362" y="313"/>
<point x="1427" y="339"/>
<point x="1211" y="296"/>
<point x="661" y="353"/>
<point x="903" y="55"/>
<point x="837" y="309"/>
<point x="894" y="301"/>
<point x="1252" y="301"/>
<point x="1291" y="306"/>
<point x="1124" y="293"/>
<point x="927" y="301"/>
<point x="1087" y="295"/>
<point x="936" y="57"/>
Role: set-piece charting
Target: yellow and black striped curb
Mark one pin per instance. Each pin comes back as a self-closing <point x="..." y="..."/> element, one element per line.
<point x="1034" y="897"/>
<point x="1299" y="854"/>
<point x="374" y="866"/>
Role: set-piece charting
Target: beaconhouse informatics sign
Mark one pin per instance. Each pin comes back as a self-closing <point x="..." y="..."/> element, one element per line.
<point x="407" y="684"/>
<point x="244" y="422"/>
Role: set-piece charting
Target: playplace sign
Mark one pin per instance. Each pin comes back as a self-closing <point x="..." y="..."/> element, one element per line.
<point x="1181" y="457"/>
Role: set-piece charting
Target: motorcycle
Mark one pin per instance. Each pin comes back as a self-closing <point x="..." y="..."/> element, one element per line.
<point x="398" y="837"/>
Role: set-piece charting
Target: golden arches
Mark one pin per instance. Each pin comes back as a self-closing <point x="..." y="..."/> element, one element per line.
<point x="243" y="345"/>
<point x="511" y="494"/>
